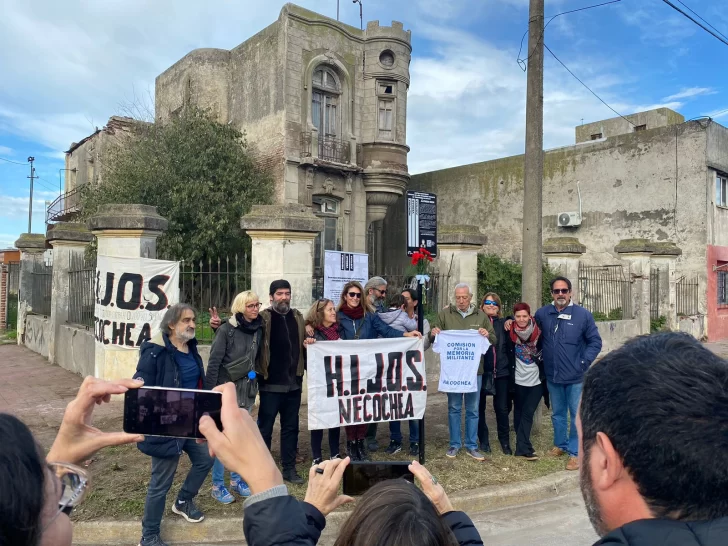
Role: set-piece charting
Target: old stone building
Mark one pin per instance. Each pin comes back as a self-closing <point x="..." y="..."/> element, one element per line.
<point x="324" y="107"/>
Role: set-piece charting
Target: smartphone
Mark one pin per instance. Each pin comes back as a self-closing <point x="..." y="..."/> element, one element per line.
<point x="360" y="476"/>
<point x="159" y="411"/>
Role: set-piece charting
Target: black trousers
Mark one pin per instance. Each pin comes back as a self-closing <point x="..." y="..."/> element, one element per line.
<point x="287" y="405"/>
<point x="317" y="438"/>
<point x="527" y="399"/>
<point x="502" y="405"/>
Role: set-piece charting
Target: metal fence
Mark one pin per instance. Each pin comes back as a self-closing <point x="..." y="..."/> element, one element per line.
<point x="11" y="295"/>
<point x="654" y="293"/>
<point x="41" y="287"/>
<point x="329" y="148"/>
<point x="606" y="292"/>
<point x="81" y="273"/>
<point x="686" y="294"/>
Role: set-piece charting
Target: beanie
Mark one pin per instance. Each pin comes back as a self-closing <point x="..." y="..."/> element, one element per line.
<point x="277" y="285"/>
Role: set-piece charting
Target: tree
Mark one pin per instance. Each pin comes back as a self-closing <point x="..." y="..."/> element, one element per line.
<point x="197" y="172"/>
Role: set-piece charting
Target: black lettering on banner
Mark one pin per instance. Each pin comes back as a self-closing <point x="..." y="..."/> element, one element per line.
<point x="367" y="415"/>
<point x="345" y="411"/>
<point x="109" y="289"/>
<point x="357" y="409"/>
<point x="156" y="285"/>
<point x="103" y="332"/>
<point x="145" y="334"/>
<point x="409" y="410"/>
<point x="394" y="372"/>
<point x="137" y="281"/>
<point x="417" y="383"/>
<point x="375" y="385"/>
<point x="127" y="339"/>
<point x="386" y="415"/>
<point x="117" y="334"/>
<point x="332" y="376"/>
<point x="376" y="408"/>
<point x="355" y="376"/>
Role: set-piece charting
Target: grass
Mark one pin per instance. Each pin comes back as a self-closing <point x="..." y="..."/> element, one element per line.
<point x="8" y="336"/>
<point x="120" y="475"/>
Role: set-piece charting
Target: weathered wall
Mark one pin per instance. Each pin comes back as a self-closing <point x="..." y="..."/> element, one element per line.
<point x="717" y="315"/>
<point x="615" y="333"/>
<point x="653" y="119"/>
<point x="37" y="334"/>
<point x="75" y="350"/>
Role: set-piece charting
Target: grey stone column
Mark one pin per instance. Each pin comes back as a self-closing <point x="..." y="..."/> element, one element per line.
<point x="31" y="246"/>
<point x="637" y="253"/>
<point x="67" y="239"/>
<point x="664" y="258"/>
<point x="563" y="254"/>
<point x="457" y="248"/>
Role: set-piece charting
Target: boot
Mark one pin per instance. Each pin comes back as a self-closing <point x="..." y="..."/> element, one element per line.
<point x="362" y="449"/>
<point x="352" y="450"/>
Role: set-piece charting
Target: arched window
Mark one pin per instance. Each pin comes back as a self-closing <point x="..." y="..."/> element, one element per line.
<point x="325" y="102"/>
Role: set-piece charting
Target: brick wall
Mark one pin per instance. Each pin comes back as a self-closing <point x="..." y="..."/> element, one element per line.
<point x="3" y="295"/>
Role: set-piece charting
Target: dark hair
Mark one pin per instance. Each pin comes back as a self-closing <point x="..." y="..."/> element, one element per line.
<point x="315" y="315"/>
<point x="521" y="306"/>
<point x="556" y="279"/>
<point x="397" y="300"/>
<point x="412" y="294"/>
<point x="395" y="512"/>
<point x="22" y="473"/>
<point x="173" y="315"/>
<point x="663" y="402"/>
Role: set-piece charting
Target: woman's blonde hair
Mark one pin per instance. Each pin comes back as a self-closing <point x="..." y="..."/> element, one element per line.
<point x="315" y="315"/>
<point x="496" y="298"/>
<point x="365" y="303"/>
<point x="242" y="300"/>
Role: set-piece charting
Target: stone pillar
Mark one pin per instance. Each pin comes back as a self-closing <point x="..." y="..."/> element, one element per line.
<point x="563" y="255"/>
<point x="664" y="258"/>
<point x="637" y="253"/>
<point x="31" y="246"/>
<point x="124" y="231"/>
<point x="4" y="274"/>
<point x="282" y="248"/>
<point x="457" y="248"/>
<point x="67" y="239"/>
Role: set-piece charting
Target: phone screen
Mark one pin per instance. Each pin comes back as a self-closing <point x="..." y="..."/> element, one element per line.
<point x="360" y="476"/>
<point x="156" y="411"/>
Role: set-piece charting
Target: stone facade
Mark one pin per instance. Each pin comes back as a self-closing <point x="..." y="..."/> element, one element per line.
<point x="323" y="106"/>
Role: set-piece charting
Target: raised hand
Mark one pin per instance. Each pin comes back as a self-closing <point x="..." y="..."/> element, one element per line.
<point x="215" y="320"/>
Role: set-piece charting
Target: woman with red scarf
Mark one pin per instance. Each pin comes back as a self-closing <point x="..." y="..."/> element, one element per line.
<point x="524" y="336"/>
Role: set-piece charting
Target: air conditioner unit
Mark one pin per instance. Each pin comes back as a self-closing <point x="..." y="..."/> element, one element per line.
<point x="569" y="219"/>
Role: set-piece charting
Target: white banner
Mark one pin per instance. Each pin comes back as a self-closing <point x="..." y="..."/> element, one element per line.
<point x="342" y="267"/>
<point x="132" y="295"/>
<point x="460" y="352"/>
<point x="365" y="381"/>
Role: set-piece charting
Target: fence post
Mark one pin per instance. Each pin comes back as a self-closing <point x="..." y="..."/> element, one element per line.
<point x="66" y="238"/>
<point x="124" y="231"/>
<point x="665" y="257"/>
<point x="4" y="281"/>
<point x="637" y="253"/>
<point x="31" y="247"/>
<point x="563" y="255"/>
<point x="457" y="247"/>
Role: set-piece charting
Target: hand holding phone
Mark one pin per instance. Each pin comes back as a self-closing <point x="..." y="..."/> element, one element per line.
<point x="323" y="488"/>
<point x="432" y="488"/>
<point x="359" y="477"/>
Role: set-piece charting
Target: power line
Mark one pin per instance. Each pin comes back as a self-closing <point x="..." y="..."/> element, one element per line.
<point x="703" y="20"/>
<point x="13" y="162"/>
<point x="585" y="85"/>
<point x="706" y="29"/>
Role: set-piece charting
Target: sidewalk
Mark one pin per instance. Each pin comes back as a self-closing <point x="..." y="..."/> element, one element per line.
<point x="718" y="347"/>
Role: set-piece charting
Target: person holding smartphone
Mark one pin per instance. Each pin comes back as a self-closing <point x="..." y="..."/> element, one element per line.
<point x="170" y="359"/>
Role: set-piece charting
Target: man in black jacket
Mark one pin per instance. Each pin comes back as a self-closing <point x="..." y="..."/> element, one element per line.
<point x="653" y="443"/>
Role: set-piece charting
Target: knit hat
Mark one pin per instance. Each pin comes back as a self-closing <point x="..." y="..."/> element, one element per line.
<point x="278" y="285"/>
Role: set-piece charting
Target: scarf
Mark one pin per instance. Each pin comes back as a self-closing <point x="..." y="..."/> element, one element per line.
<point x="354" y="313"/>
<point x="331" y="333"/>
<point x="525" y="341"/>
<point x="246" y="326"/>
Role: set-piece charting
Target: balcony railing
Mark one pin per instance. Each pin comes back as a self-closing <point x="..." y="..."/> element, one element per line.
<point x="328" y="148"/>
<point x="66" y="205"/>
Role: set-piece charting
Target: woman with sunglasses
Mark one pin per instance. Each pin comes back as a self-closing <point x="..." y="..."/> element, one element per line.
<point x="39" y="493"/>
<point x="322" y="318"/>
<point x="499" y="361"/>
<point x="233" y="355"/>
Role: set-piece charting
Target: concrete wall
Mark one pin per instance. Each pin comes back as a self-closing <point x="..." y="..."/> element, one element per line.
<point x="37" y="334"/>
<point x="75" y="350"/>
<point x="652" y="119"/>
<point x="615" y="333"/>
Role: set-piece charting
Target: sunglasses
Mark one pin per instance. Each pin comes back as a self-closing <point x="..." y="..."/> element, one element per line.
<point x="491" y="302"/>
<point x="320" y="302"/>
<point x="561" y="290"/>
<point x="73" y="481"/>
<point x="356" y="295"/>
<point x="382" y="292"/>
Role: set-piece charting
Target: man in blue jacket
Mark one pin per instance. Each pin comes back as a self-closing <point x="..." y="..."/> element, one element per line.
<point x="571" y="342"/>
<point x="170" y="359"/>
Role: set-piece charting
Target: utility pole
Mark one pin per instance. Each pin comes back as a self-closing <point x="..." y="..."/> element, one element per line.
<point x="533" y="172"/>
<point x="361" y="13"/>
<point x="30" y="203"/>
<point x="337" y="10"/>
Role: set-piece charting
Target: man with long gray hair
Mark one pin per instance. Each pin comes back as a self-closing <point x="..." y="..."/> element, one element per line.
<point x="170" y="359"/>
<point x="376" y="290"/>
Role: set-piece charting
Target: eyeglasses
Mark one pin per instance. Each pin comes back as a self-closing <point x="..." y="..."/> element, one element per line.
<point x="491" y="302"/>
<point x="356" y="295"/>
<point x="561" y="290"/>
<point x="74" y="482"/>
<point x="319" y="302"/>
<point x="253" y="306"/>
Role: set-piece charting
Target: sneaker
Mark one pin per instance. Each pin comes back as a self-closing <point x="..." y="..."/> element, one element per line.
<point x="153" y="541"/>
<point x="337" y="456"/>
<point x="475" y="454"/>
<point x="530" y="457"/>
<point x="414" y="448"/>
<point x="452" y="452"/>
<point x="188" y="510"/>
<point x="317" y="461"/>
<point x="485" y="448"/>
<point x="572" y="463"/>
<point x="291" y="476"/>
<point x="394" y="447"/>
<point x="556" y="452"/>
<point x="372" y="445"/>
<point x="241" y="488"/>
<point x="221" y="494"/>
<point x="300" y="459"/>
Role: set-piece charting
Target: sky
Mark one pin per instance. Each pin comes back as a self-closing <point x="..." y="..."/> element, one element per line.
<point x="68" y="66"/>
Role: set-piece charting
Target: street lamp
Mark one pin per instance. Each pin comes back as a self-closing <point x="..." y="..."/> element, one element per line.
<point x="361" y="14"/>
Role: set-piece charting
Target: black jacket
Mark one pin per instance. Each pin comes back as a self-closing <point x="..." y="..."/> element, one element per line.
<point x="158" y="367"/>
<point x="286" y="521"/>
<point x="500" y="355"/>
<point x="663" y="532"/>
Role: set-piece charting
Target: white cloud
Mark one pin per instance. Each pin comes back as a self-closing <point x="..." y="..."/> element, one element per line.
<point x="690" y="92"/>
<point x="7" y="240"/>
<point x="7" y="152"/>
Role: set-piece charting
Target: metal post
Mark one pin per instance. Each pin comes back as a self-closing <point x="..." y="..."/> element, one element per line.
<point x="30" y="203"/>
<point x="337" y="10"/>
<point x="420" y="328"/>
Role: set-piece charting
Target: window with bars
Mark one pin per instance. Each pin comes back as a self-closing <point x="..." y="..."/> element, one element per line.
<point x="722" y="288"/>
<point x="325" y="102"/>
<point x="720" y="190"/>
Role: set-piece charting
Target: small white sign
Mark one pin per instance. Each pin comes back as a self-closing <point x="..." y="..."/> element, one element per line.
<point x="342" y="267"/>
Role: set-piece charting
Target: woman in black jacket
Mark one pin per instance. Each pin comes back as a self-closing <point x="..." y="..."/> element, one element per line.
<point x="232" y="358"/>
<point x="499" y="359"/>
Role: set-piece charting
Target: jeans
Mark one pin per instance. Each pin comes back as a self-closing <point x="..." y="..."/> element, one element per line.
<point x="218" y="474"/>
<point x="565" y="398"/>
<point x="502" y="405"/>
<point x="317" y="438"/>
<point x="287" y="404"/>
<point x="163" y="471"/>
<point x="395" y="431"/>
<point x="527" y="399"/>
<point x="454" y="412"/>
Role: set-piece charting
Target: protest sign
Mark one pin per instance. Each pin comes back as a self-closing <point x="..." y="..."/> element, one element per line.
<point x="342" y="267"/>
<point x="365" y="381"/>
<point x="132" y="295"/>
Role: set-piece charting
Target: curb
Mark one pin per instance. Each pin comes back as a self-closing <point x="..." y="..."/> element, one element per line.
<point x="218" y="530"/>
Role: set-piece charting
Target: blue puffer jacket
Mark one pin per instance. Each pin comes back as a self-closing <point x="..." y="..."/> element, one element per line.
<point x="158" y="368"/>
<point x="570" y="343"/>
<point x="368" y="327"/>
